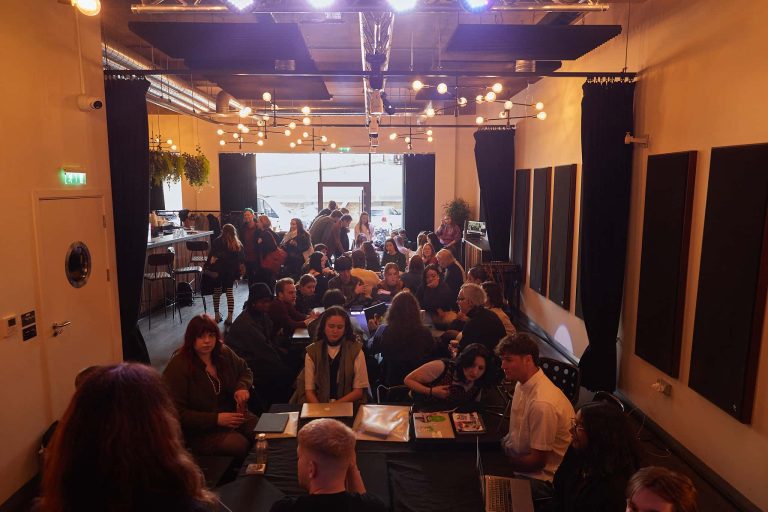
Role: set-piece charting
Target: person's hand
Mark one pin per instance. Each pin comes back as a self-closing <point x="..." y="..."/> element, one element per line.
<point x="230" y="419"/>
<point x="213" y="260"/>
<point x="374" y="322"/>
<point x="242" y="396"/>
<point x="440" y="391"/>
<point x="462" y="316"/>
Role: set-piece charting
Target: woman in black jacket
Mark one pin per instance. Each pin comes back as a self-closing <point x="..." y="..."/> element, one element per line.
<point x="226" y="260"/>
<point x="296" y="243"/>
<point x="602" y="457"/>
<point x="392" y="255"/>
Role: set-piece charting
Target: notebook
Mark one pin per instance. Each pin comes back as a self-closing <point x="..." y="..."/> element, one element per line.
<point x="327" y="410"/>
<point x="432" y="425"/>
<point x="271" y="423"/>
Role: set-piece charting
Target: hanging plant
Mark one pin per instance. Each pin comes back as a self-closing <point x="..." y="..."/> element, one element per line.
<point x="165" y="167"/>
<point x="458" y="209"/>
<point x="197" y="168"/>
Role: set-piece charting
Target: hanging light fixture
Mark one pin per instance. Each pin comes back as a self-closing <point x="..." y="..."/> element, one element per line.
<point x="88" y="7"/>
<point x="475" y="6"/>
<point x="402" y="5"/>
<point x="417" y="85"/>
<point x="239" y="5"/>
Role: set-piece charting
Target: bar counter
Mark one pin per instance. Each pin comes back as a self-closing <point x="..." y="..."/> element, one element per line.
<point x="160" y="241"/>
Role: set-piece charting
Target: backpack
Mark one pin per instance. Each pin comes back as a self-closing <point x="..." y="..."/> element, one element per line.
<point x="184" y="294"/>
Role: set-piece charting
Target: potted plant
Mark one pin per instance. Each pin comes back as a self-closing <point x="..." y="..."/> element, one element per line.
<point x="458" y="210"/>
<point x="197" y="168"/>
<point x="164" y="166"/>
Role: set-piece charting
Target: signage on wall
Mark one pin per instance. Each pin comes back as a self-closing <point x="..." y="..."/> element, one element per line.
<point x="71" y="177"/>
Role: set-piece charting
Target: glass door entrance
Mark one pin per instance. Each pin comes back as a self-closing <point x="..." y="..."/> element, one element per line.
<point x="354" y="196"/>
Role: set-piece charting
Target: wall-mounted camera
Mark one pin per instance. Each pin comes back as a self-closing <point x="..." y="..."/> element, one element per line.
<point x="88" y="103"/>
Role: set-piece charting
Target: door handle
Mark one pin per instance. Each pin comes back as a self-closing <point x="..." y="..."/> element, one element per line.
<point x="58" y="327"/>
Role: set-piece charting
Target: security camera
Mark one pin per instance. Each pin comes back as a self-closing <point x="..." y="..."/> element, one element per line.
<point x="88" y="103"/>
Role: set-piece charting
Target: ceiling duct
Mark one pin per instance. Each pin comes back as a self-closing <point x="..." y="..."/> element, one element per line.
<point x="525" y="66"/>
<point x="223" y="100"/>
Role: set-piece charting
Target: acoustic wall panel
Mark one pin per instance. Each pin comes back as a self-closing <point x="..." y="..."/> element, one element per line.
<point x="664" y="259"/>
<point x="520" y="223"/>
<point x="542" y="185"/>
<point x="733" y="279"/>
<point x="561" y="250"/>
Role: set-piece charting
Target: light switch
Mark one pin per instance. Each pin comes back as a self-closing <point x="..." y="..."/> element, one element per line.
<point x="8" y="326"/>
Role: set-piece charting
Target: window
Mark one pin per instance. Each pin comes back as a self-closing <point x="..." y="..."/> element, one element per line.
<point x="172" y="195"/>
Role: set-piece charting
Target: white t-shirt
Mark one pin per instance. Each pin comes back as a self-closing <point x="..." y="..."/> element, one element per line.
<point x="540" y="419"/>
<point x="508" y="327"/>
<point x="360" y="380"/>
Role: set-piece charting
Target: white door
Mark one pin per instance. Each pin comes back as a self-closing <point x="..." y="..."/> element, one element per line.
<point x="86" y="303"/>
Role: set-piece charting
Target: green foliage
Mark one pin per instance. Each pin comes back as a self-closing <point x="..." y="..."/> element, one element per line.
<point x="163" y="166"/>
<point x="197" y="168"/>
<point x="458" y="209"/>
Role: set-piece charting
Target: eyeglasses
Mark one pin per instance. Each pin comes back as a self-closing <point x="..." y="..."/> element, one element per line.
<point x="460" y="299"/>
<point x="575" y="425"/>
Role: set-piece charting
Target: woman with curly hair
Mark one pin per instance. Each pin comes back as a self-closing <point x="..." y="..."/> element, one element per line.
<point x="113" y="451"/>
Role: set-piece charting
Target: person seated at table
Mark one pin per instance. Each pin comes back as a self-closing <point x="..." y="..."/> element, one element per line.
<point x="403" y="341"/>
<point x="306" y="298"/>
<point x="327" y="470"/>
<point x="427" y="253"/>
<point x="210" y="386"/>
<point x="540" y="416"/>
<point x="351" y="286"/>
<point x="324" y="249"/>
<point x="390" y="286"/>
<point x="372" y="261"/>
<point x="657" y="489"/>
<point x="285" y="317"/>
<point x="250" y="337"/>
<point x="296" y="243"/>
<point x="334" y="366"/>
<point x="436" y="298"/>
<point x="317" y="267"/>
<point x="413" y="277"/>
<point x="333" y="298"/>
<point x="481" y="325"/>
<point x="369" y="278"/>
<point x="495" y="303"/>
<point x="391" y="254"/>
<point x="453" y="273"/>
<point x="451" y="382"/>
<point x="602" y="457"/>
<point x="477" y="275"/>
<point x="119" y="447"/>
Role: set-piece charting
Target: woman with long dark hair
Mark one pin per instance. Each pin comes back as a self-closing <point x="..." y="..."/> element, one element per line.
<point x="334" y="366"/>
<point x="227" y="261"/>
<point x="602" y="457"/>
<point x="392" y="255"/>
<point x="363" y="227"/>
<point x="372" y="261"/>
<point x="119" y="447"/>
<point x="435" y="296"/>
<point x="428" y="254"/>
<point x="451" y="382"/>
<point x="317" y="268"/>
<point x="210" y="386"/>
<point x="296" y="243"/>
<point x="403" y="341"/>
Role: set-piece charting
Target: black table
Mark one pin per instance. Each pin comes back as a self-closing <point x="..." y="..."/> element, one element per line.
<point x="421" y="475"/>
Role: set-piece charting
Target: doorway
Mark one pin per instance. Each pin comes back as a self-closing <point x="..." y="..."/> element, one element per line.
<point x="354" y="196"/>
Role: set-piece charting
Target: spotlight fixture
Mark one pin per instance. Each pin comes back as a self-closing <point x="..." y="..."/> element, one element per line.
<point x="442" y="88"/>
<point x="239" y="5"/>
<point x="417" y="85"/>
<point x="306" y="110"/>
<point x="320" y="4"/>
<point x="475" y="6"/>
<point x="88" y="7"/>
<point x="497" y="88"/>
<point x="266" y="96"/>
<point x="402" y="5"/>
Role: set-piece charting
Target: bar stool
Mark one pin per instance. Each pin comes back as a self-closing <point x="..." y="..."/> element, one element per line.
<point x="199" y="255"/>
<point x="162" y="270"/>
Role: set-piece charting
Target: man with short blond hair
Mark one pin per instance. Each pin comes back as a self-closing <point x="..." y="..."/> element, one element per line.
<point x="327" y="469"/>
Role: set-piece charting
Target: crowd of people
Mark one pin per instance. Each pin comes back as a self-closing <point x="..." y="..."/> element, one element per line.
<point x="115" y="452"/>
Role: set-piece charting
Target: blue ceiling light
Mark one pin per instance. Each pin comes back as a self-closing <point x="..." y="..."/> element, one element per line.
<point x="239" y="5"/>
<point x="402" y="5"/>
<point x="320" y="4"/>
<point x="475" y="6"/>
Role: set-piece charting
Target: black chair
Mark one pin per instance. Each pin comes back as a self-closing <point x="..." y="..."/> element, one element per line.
<point x="162" y="270"/>
<point x="198" y="257"/>
<point x="565" y="376"/>
<point x="604" y="396"/>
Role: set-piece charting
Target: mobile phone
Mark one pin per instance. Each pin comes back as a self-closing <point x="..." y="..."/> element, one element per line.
<point x="255" y="469"/>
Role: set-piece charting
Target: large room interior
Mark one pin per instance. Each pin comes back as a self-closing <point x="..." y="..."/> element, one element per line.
<point x="698" y="77"/>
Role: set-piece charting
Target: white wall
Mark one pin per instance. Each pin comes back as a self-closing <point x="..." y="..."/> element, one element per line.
<point x="41" y="129"/>
<point x="701" y="85"/>
<point x="455" y="170"/>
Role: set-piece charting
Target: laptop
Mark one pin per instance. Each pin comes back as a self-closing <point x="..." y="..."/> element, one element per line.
<point x="504" y="494"/>
<point x="376" y="309"/>
<point x="327" y="410"/>
<point x="361" y="320"/>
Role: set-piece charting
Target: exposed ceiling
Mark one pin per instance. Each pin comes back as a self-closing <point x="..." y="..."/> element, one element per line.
<point x="248" y="54"/>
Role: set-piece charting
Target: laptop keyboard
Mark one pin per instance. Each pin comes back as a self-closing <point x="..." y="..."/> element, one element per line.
<point x="499" y="495"/>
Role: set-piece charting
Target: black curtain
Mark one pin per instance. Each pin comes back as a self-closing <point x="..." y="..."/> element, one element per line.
<point x="495" y="159"/>
<point x="156" y="197"/>
<point x="129" y="167"/>
<point x="418" y="194"/>
<point x="606" y="116"/>
<point x="237" y="181"/>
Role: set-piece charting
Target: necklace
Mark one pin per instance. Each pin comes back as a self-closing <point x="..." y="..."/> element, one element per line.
<point x="215" y="382"/>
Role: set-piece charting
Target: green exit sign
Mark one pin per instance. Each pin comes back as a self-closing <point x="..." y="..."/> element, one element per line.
<point x="344" y="150"/>
<point x="73" y="178"/>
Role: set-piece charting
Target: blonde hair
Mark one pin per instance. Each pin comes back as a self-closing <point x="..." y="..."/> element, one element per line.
<point x="329" y="439"/>
<point x="229" y="234"/>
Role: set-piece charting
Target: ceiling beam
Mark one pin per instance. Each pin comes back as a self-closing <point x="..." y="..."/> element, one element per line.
<point x="387" y="74"/>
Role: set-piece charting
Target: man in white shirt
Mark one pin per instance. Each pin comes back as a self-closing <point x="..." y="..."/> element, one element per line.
<point x="540" y="418"/>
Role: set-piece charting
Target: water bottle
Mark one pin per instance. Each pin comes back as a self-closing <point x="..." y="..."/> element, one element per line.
<point x="261" y="449"/>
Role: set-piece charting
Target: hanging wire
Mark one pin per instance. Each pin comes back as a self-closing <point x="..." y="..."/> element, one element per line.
<point x="626" y="45"/>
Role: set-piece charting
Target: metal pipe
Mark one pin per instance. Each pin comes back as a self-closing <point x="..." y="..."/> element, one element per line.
<point x="390" y="74"/>
<point x="300" y="7"/>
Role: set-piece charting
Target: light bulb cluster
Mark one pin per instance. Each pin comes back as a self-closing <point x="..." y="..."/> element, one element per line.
<point x="411" y="137"/>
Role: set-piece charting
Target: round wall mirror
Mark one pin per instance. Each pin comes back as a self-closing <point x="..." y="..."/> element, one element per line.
<point x="77" y="264"/>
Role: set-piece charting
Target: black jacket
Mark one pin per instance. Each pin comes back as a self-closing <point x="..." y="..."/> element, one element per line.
<point x="576" y="491"/>
<point x="482" y="326"/>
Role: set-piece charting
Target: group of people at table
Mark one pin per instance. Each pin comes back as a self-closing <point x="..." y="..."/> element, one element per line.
<point x="113" y="449"/>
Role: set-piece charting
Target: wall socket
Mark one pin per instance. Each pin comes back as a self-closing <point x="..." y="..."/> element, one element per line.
<point x="8" y="326"/>
<point x="662" y="386"/>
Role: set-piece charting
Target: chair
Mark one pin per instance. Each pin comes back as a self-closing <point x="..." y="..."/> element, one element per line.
<point x="565" y="376"/>
<point x="198" y="256"/>
<point x="604" y="396"/>
<point x="393" y="394"/>
<point x="161" y="266"/>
